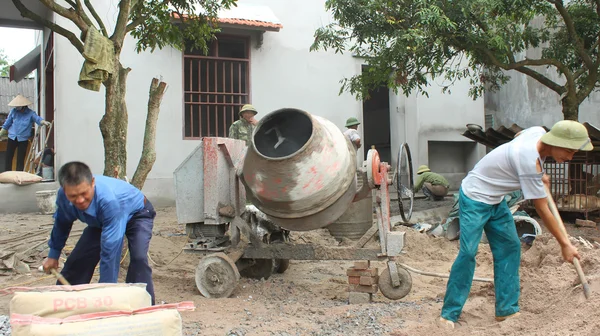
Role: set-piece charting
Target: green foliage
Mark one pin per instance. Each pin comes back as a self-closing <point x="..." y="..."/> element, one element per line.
<point x="407" y="43"/>
<point x="195" y="23"/>
<point x="4" y="65"/>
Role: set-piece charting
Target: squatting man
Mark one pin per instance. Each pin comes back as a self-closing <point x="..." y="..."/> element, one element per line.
<point x="510" y="167"/>
<point x="111" y="208"/>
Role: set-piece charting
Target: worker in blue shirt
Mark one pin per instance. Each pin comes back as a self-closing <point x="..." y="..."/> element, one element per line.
<point x="111" y="208"/>
<point x="18" y="128"/>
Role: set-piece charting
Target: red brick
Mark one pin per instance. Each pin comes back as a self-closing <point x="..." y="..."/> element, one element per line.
<point x="362" y="265"/>
<point x="368" y="272"/>
<point x="354" y="280"/>
<point x="363" y="289"/>
<point x="368" y="281"/>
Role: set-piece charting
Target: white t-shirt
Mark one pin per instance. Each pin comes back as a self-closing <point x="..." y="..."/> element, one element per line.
<point x="353" y="135"/>
<point x="508" y="168"/>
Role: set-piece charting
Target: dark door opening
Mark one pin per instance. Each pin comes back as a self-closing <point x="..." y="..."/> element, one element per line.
<point x="376" y="122"/>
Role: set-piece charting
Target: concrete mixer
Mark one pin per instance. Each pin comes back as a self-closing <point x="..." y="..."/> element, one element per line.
<point x="240" y="203"/>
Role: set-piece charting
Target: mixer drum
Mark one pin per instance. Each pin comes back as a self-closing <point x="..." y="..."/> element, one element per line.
<point x="299" y="170"/>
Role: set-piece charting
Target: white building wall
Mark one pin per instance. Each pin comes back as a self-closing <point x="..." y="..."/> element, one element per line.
<point x="418" y="120"/>
<point x="283" y="74"/>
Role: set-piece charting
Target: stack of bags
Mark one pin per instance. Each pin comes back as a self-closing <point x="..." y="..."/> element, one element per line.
<point x="93" y="309"/>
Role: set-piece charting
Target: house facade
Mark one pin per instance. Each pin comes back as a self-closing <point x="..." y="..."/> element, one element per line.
<point x="262" y="57"/>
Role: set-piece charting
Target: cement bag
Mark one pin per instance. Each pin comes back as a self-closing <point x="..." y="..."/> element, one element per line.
<point x="64" y="301"/>
<point x="162" y="320"/>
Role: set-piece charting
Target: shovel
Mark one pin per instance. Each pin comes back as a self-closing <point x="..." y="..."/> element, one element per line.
<point x="60" y="277"/>
<point x="561" y="225"/>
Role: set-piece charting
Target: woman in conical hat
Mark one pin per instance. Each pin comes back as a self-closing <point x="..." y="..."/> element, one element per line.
<point x="17" y="127"/>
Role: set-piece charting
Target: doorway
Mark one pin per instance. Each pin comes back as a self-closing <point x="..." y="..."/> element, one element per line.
<point x="376" y="122"/>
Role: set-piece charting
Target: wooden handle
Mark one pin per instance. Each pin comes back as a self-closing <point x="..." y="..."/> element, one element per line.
<point x="60" y="277"/>
<point x="561" y="225"/>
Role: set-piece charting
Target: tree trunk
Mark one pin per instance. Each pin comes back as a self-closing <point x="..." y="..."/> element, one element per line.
<point x="570" y="109"/>
<point x="114" y="122"/>
<point x="157" y="91"/>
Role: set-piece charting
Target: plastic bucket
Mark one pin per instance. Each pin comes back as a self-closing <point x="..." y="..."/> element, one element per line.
<point x="46" y="201"/>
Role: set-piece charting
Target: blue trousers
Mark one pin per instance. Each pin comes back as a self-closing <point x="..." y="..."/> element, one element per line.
<point x="80" y="265"/>
<point x="499" y="226"/>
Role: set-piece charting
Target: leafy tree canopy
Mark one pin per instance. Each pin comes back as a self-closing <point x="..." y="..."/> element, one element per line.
<point x="406" y="43"/>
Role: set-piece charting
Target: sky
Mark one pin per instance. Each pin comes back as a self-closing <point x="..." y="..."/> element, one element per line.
<point x="16" y="42"/>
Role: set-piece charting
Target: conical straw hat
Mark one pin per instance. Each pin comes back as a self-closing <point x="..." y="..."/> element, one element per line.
<point x="20" y="101"/>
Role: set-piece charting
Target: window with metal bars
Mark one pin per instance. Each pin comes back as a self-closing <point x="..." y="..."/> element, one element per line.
<point x="216" y="86"/>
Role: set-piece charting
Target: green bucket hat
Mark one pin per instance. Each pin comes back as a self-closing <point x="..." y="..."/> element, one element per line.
<point x="568" y="134"/>
<point x="423" y="169"/>
<point x="248" y="107"/>
<point x="351" y="122"/>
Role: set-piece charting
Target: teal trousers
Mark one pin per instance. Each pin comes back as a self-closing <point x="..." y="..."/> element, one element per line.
<point x="499" y="226"/>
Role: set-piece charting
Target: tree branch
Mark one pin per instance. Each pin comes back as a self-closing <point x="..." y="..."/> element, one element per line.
<point x="579" y="47"/>
<point x="81" y="12"/>
<point x="522" y="68"/>
<point x="118" y="35"/>
<point x="131" y="26"/>
<point x="70" y="14"/>
<point x="148" y="157"/>
<point x="542" y="79"/>
<point x="96" y="17"/>
<point x="25" y="12"/>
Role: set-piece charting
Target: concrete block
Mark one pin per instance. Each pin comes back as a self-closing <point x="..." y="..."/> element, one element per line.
<point x="358" y="298"/>
<point x="585" y="223"/>
<point x="362" y="265"/>
<point x="395" y="243"/>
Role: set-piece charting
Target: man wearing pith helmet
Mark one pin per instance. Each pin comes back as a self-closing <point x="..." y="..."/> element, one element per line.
<point x="516" y="165"/>
<point x="352" y="132"/>
<point x="433" y="185"/>
<point x="243" y="128"/>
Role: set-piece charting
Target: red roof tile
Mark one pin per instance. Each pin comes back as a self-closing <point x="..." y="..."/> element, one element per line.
<point x="254" y="23"/>
<point x="244" y="22"/>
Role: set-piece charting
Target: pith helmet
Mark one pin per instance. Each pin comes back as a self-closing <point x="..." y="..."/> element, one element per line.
<point x="423" y="169"/>
<point x="248" y="107"/>
<point x="19" y="100"/>
<point x="351" y="122"/>
<point x="568" y="134"/>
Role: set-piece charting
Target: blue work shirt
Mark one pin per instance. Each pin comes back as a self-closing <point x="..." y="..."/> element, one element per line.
<point x="19" y="123"/>
<point x="115" y="202"/>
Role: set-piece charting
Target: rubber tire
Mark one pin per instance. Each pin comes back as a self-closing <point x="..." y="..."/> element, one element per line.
<point x="391" y="292"/>
<point x="284" y="264"/>
<point x="263" y="268"/>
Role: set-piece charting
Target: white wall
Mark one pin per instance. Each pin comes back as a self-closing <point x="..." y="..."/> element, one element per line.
<point x="418" y="119"/>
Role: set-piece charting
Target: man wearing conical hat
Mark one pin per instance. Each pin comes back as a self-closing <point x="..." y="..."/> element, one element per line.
<point x="433" y="185"/>
<point x="243" y="128"/>
<point x="17" y="127"/>
<point x="516" y="165"/>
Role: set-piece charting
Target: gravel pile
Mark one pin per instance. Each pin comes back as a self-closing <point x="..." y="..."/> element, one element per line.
<point x="4" y="326"/>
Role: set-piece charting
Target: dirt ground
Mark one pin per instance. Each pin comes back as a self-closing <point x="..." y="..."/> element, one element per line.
<point x="310" y="298"/>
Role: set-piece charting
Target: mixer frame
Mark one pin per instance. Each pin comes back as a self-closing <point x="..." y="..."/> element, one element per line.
<point x="243" y="248"/>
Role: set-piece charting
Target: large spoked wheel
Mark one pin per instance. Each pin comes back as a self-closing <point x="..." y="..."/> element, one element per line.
<point x="387" y="288"/>
<point x="216" y="276"/>
<point x="404" y="182"/>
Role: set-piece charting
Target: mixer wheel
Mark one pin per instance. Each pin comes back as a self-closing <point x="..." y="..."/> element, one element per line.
<point x="256" y="268"/>
<point x="282" y="265"/>
<point x="387" y="288"/>
<point x="216" y="276"/>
